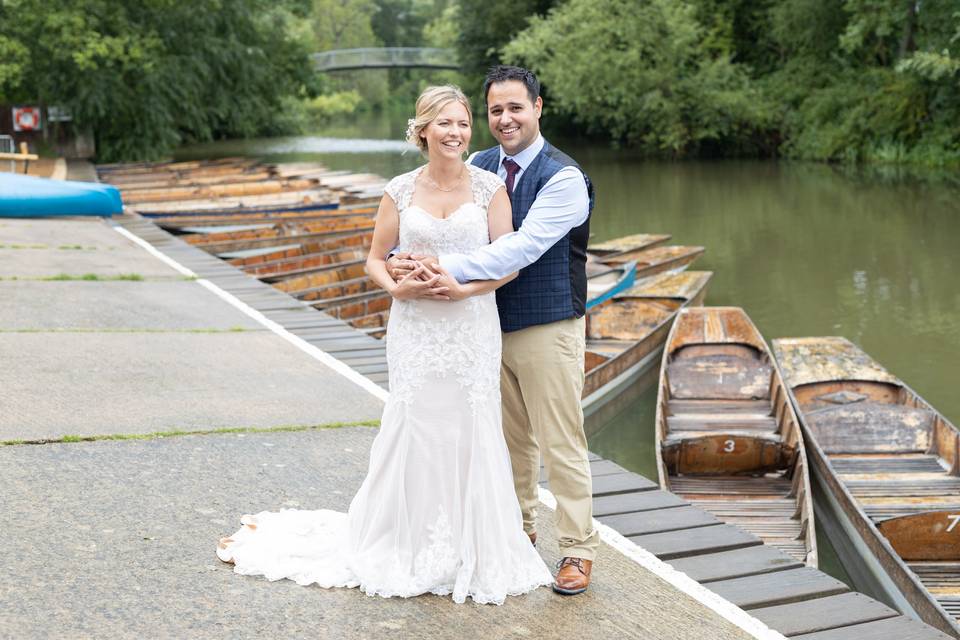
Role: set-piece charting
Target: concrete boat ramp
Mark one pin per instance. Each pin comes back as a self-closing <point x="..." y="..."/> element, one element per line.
<point x="149" y="399"/>
<point x="110" y="525"/>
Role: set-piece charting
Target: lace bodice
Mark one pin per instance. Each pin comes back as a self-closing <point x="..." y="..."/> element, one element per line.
<point x="463" y="231"/>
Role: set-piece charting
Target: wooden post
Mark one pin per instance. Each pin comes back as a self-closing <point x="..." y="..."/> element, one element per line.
<point x="25" y="151"/>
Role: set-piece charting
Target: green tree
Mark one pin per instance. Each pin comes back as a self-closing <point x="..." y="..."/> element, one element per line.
<point x="487" y="25"/>
<point x="145" y="76"/>
<point x="641" y="73"/>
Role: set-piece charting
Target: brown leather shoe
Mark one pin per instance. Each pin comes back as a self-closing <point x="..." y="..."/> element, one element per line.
<point x="533" y="537"/>
<point x="573" y="576"/>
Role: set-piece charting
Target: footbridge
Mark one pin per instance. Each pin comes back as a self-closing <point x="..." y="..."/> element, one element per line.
<point x="385" y="58"/>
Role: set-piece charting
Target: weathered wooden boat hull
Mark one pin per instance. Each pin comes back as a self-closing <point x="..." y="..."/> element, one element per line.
<point x="660" y="297"/>
<point x="618" y="246"/>
<point x="727" y="438"/>
<point x="830" y="375"/>
<point x="658" y="259"/>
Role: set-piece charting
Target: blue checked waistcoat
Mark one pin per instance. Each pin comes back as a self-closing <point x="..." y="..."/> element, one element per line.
<point x="555" y="286"/>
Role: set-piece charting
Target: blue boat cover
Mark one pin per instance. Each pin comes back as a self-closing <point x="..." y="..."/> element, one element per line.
<point x="31" y="197"/>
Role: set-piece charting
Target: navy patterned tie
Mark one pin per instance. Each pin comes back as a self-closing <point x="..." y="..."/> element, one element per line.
<point x="512" y="169"/>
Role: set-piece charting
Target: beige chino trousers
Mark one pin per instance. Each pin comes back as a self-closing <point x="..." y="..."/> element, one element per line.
<point x="541" y="380"/>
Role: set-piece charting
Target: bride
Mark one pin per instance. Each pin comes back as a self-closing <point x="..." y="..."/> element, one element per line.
<point x="437" y="512"/>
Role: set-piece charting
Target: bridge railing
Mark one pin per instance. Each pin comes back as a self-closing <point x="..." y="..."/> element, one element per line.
<point x="374" y="58"/>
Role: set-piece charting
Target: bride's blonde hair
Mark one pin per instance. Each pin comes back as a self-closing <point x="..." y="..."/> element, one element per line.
<point x="429" y="105"/>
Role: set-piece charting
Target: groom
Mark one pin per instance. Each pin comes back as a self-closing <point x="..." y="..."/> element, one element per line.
<point x="541" y="314"/>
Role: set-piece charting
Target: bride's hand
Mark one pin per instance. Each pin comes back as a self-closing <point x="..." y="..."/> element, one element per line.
<point x="413" y="286"/>
<point x="455" y="290"/>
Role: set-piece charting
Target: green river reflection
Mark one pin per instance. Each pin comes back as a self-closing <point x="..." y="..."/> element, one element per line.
<point x="806" y="249"/>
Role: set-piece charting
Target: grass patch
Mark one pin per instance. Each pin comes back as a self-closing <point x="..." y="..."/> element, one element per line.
<point x="71" y="439"/>
<point x="93" y="277"/>
<point x="23" y="246"/>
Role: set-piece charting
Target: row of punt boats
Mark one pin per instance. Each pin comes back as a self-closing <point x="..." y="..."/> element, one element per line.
<point x="744" y="432"/>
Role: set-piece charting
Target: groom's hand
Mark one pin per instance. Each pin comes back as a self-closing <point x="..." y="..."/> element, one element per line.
<point x="400" y="265"/>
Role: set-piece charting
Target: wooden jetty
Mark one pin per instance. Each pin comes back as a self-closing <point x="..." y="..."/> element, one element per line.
<point x="771" y="585"/>
<point x="888" y="466"/>
<point x="794" y="599"/>
<point x="727" y="438"/>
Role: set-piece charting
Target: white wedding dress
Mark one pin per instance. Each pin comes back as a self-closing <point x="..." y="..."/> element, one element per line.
<point x="437" y="511"/>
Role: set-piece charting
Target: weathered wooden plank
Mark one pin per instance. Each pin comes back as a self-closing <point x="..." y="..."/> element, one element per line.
<point x="675" y="519"/>
<point x="632" y="502"/>
<point x="670" y="545"/>
<point x="605" y="468"/>
<point x="899" y="628"/>
<point x="621" y="483"/>
<point x="737" y="563"/>
<point x="599" y="467"/>
<point x="821" y="614"/>
<point x="781" y="587"/>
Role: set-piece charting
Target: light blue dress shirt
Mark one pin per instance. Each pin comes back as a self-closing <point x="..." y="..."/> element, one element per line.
<point x="561" y="204"/>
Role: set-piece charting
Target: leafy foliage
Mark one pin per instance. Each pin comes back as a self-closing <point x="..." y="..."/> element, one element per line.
<point x="857" y="80"/>
<point x="145" y="76"/>
<point x="645" y="74"/>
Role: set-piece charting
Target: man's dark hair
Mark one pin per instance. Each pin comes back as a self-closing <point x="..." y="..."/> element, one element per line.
<point x="504" y="72"/>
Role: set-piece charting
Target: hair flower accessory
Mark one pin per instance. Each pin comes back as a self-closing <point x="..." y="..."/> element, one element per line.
<point x="410" y="123"/>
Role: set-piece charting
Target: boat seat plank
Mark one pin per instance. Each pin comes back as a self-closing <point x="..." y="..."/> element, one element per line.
<point x="721" y="537"/>
<point x="898" y="628"/>
<point x="904" y="463"/>
<point x="736" y="563"/>
<point x="944" y="486"/>
<point x="822" y="614"/>
<point x="879" y="513"/>
<point x="635" y="524"/>
<point x="712" y="407"/>
<point x="719" y="377"/>
<point x="635" y="502"/>
<point x="730" y="485"/>
<point x="864" y="427"/>
<point x="783" y="587"/>
<point x="709" y="424"/>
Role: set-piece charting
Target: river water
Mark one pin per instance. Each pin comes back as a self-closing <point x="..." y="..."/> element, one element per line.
<point x="806" y="249"/>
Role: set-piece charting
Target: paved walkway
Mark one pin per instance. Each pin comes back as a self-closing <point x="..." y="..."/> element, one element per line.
<point x="99" y="337"/>
<point x="116" y="539"/>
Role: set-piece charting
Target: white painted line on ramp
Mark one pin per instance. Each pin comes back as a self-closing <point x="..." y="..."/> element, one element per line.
<point x="311" y="350"/>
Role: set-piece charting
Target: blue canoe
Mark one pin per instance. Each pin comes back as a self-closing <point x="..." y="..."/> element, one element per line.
<point x="30" y="197"/>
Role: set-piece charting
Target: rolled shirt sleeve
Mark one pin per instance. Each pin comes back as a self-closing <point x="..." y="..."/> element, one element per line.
<point x="561" y="205"/>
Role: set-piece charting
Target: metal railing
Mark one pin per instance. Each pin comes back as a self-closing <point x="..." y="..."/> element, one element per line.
<point x="7" y="146"/>
<point x="385" y="57"/>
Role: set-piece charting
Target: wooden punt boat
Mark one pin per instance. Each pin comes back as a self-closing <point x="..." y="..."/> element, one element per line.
<point x="888" y="467"/>
<point x="727" y="439"/>
<point x="625" y="333"/>
<point x="267" y="239"/>
<point x="653" y="260"/>
<point x="617" y="246"/>
<point x="210" y="222"/>
<point x="269" y="201"/>
<point x="226" y="189"/>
